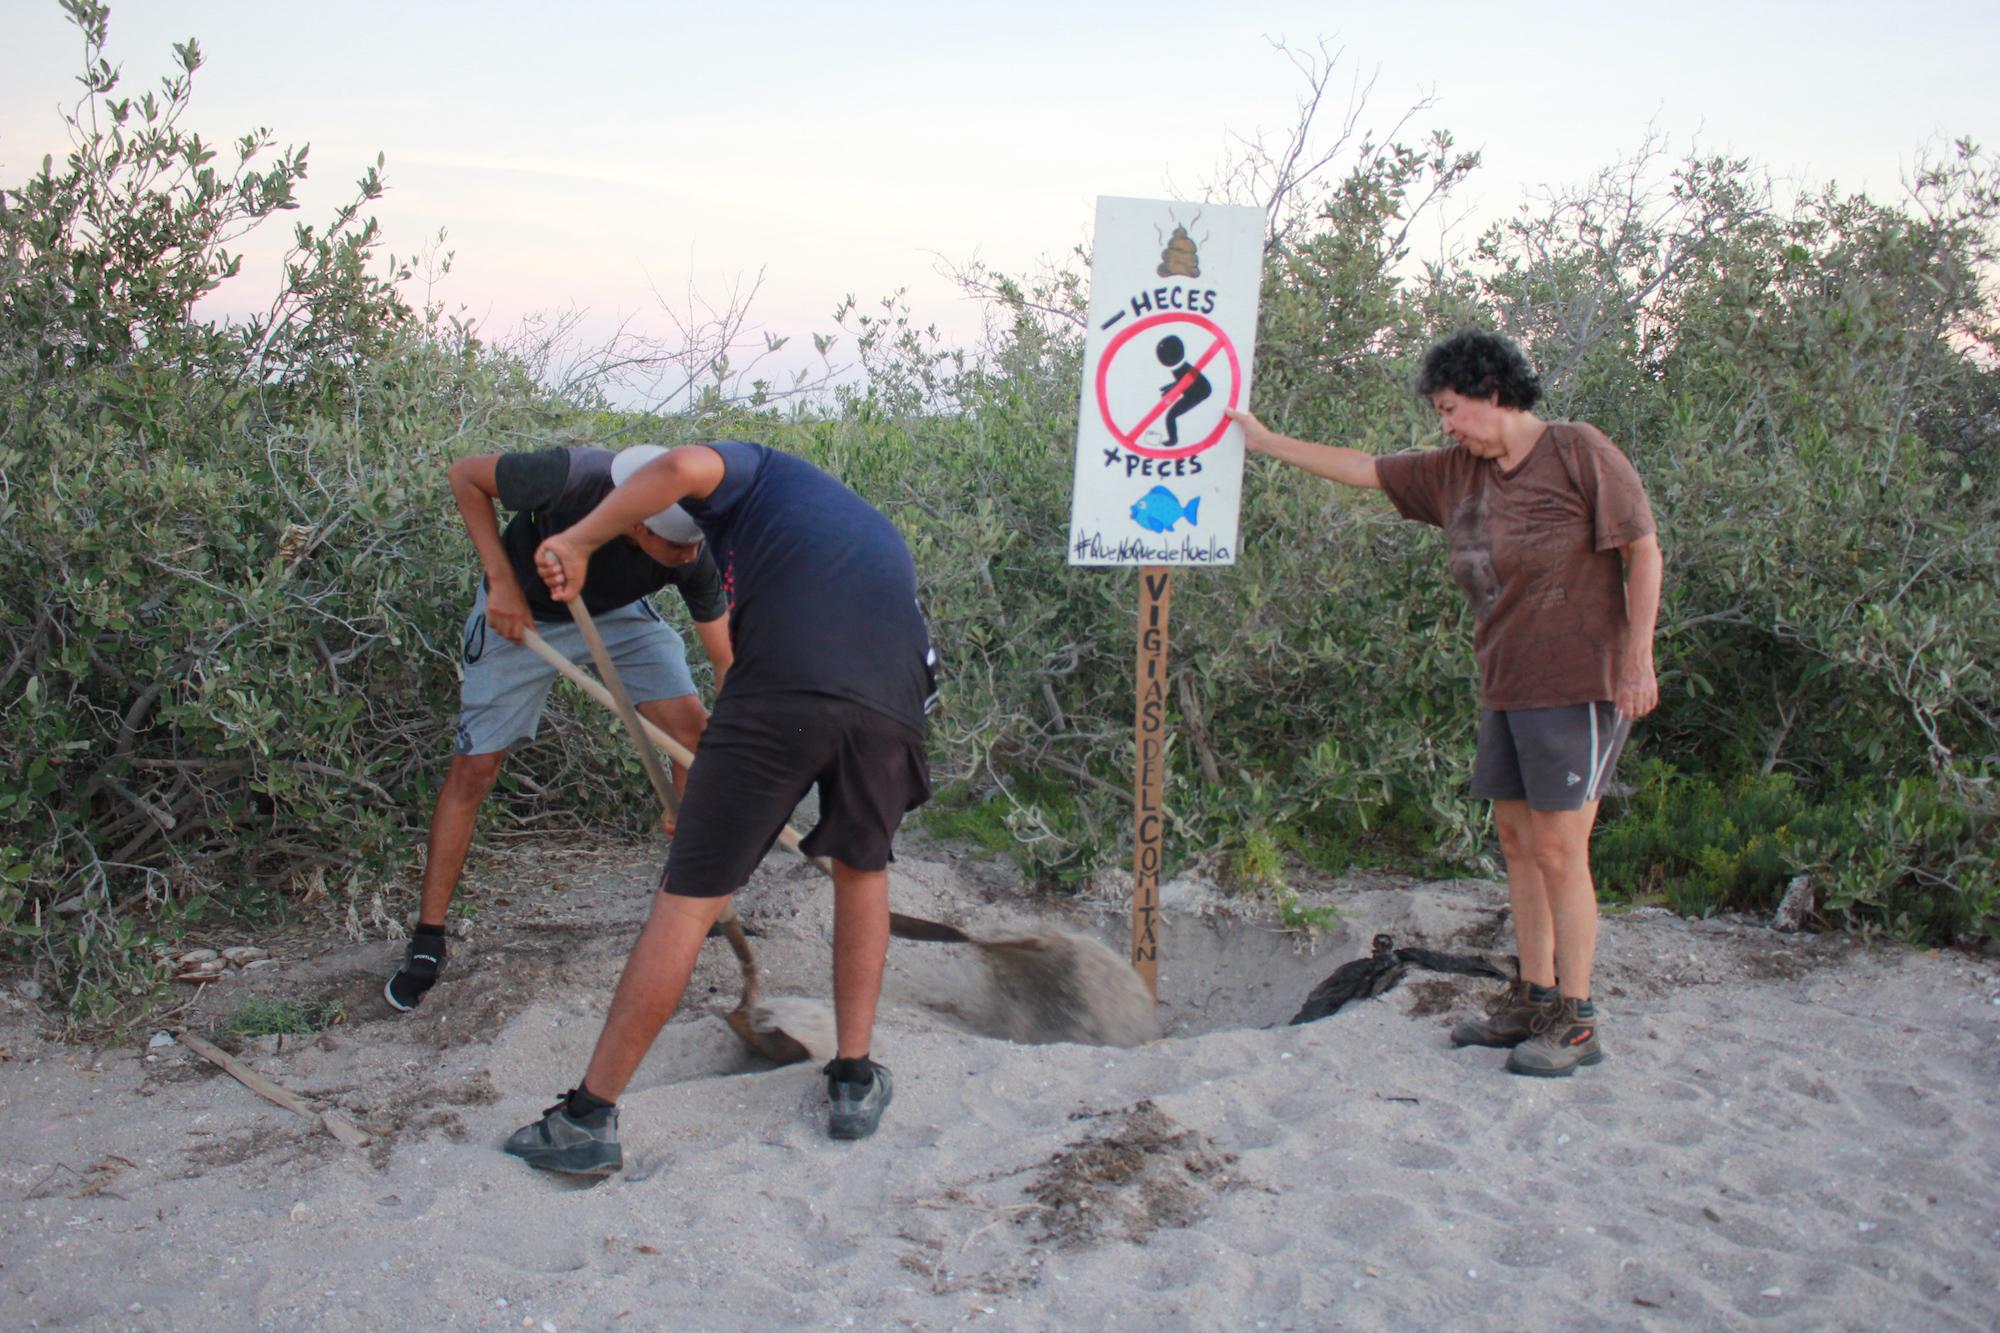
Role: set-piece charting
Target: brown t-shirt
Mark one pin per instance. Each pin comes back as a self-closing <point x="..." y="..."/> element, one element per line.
<point x="1536" y="551"/>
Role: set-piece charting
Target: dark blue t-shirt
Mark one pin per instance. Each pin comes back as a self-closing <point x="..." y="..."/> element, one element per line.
<point x="822" y="590"/>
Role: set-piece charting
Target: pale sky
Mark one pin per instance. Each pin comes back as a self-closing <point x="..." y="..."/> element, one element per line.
<point x="580" y="153"/>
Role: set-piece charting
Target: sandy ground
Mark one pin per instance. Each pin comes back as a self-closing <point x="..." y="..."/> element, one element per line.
<point x="1789" y="1133"/>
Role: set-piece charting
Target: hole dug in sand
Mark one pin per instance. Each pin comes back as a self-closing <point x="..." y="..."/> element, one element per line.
<point x="1215" y="975"/>
<point x="1225" y="971"/>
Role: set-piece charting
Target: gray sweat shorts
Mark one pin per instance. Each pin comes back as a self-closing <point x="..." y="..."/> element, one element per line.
<point x="504" y="685"/>
<point x="1552" y="758"/>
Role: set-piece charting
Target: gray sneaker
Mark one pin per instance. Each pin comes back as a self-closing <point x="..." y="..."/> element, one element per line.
<point x="585" y="1145"/>
<point x="853" y="1110"/>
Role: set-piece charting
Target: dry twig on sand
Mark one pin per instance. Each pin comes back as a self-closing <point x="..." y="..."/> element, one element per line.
<point x="336" y="1124"/>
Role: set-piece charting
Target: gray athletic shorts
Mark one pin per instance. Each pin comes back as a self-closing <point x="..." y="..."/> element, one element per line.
<point x="504" y="685"/>
<point x="1553" y="758"/>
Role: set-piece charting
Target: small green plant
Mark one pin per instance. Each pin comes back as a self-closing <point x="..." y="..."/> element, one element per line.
<point x="1296" y="915"/>
<point x="1260" y="862"/>
<point x="1258" y="866"/>
<point x="259" y="1017"/>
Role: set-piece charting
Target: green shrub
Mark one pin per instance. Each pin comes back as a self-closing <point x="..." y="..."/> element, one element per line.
<point x="227" y="652"/>
<point x="231" y="634"/>
<point x="1705" y="847"/>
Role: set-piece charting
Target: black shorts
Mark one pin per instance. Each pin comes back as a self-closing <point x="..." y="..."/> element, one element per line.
<point x="1552" y="758"/>
<point x="757" y="759"/>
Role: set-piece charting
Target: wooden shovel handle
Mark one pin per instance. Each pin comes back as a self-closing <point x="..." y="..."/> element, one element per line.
<point x="621" y="704"/>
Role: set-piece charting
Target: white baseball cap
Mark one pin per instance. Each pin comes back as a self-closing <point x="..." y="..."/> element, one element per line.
<point x="673" y="523"/>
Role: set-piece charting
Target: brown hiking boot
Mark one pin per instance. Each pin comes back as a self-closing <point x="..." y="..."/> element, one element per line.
<point x="1563" y="1040"/>
<point x="1509" y="1019"/>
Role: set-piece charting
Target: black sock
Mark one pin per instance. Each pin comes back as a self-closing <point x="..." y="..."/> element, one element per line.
<point x="860" y="1073"/>
<point x="1541" y="994"/>
<point x="582" y="1101"/>
<point x="1585" y="1009"/>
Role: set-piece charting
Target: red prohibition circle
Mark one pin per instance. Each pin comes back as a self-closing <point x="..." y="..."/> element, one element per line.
<point x="1104" y="371"/>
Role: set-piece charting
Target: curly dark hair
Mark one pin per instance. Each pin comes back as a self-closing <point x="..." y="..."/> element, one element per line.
<point x="1476" y="364"/>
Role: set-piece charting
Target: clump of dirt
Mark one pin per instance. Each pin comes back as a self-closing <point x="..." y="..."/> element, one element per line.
<point x="1789" y="961"/>
<point x="1430" y="998"/>
<point x="1060" y="986"/>
<point x="428" y="1120"/>
<point x="1482" y="936"/>
<point x="423" y="1105"/>
<point x="271" y="1145"/>
<point x="485" y="999"/>
<point x="1142" y="1172"/>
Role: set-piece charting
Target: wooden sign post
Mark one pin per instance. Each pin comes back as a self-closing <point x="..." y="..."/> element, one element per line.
<point x="1167" y="352"/>
<point x="1149" y="735"/>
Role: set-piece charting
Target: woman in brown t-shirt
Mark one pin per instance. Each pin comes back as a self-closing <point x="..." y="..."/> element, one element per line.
<point x="1551" y="537"/>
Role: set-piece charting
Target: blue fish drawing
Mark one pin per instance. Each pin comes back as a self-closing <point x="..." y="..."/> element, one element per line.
<point x="1159" y="509"/>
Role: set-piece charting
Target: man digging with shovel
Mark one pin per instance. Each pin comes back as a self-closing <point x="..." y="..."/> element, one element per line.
<point x="833" y="676"/>
<point x="505" y="684"/>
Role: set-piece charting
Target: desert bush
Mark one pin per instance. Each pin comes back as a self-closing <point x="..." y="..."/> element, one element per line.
<point x="1808" y="387"/>
<point x="1701" y="847"/>
<point x="231" y="635"/>
<point x="227" y="652"/>
<point x="1808" y="392"/>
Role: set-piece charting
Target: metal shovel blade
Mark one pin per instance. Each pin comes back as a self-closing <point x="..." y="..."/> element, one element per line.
<point x="757" y="1023"/>
<point x="773" y="1043"/>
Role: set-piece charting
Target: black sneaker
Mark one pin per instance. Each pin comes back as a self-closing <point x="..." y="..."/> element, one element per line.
<point x="854" y="1109"/>
<point x="576" y="1145"/>
<point x="422" y="962"/>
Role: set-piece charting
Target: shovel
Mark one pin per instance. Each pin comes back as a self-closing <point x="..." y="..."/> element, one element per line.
<point x="1053" y="986"/>
<point x="750" y="1020"/>
<point x="677" y="752"/>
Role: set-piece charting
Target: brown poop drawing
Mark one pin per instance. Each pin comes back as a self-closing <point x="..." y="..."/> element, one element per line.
<point x="1179" y="260"/>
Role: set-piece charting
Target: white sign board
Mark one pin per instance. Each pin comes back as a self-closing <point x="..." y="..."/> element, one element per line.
<point x="1173" y="328"/>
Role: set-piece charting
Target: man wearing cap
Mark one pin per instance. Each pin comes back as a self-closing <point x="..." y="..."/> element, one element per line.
<point x="504" y="684"/>
<point x="834" y="678"/>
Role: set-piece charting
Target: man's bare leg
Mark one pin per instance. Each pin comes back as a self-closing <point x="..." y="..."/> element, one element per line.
<point x="452" y="820"/>
<point x="857" y="1088"/>
<point x="656" y="973"/>
<point x="683" y="718"/>
<point x="860" y="947"/>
